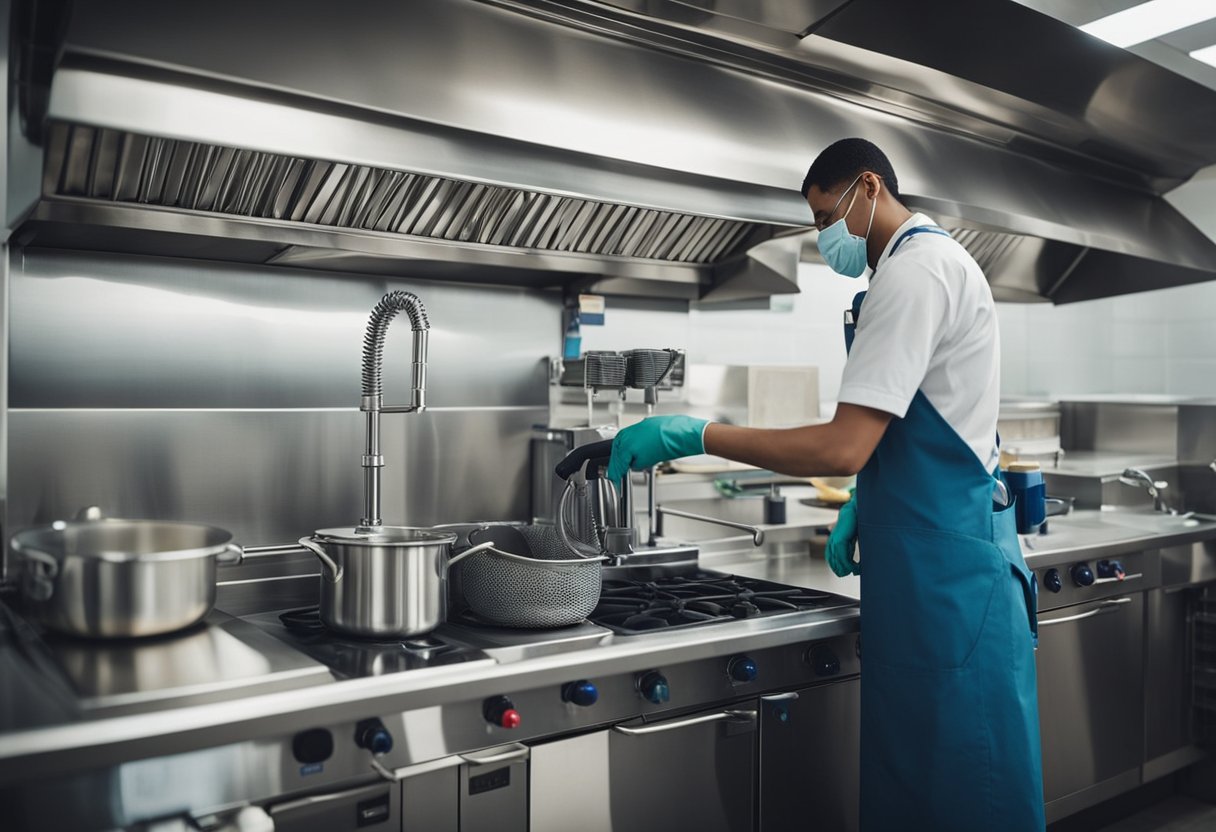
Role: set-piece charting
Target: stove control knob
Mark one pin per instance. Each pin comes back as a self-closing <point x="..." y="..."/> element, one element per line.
<point x="823" y="661"/>
<point x="372" y="735"/>
<point x="581" y="693"/>
<point x="499" y="711"/>
<point x="1111" y="569"/>
<point x="653" y="687"/>
<point x="313" y="746"/>
<point x="742" y="669"/>
<point x="1082" y="575"/>
<point x="1051" y="580"/>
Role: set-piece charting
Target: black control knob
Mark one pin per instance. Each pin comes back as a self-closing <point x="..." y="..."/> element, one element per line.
<point x="823" y="661"/>
<point x="315" y="745"/>
<point x="372" y="735"/>
<point x="1051" y="580"/>
<point x="1082" y="575"/>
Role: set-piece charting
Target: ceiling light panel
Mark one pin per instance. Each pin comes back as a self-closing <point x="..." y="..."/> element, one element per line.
<point x="1150" y="20"/>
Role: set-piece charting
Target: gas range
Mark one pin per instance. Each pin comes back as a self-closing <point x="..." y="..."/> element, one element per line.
<point x="629" y="607"/>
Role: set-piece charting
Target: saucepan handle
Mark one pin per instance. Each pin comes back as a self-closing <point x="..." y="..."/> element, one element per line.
<point x="472" y="550"/>
<point x="332" y="572"/>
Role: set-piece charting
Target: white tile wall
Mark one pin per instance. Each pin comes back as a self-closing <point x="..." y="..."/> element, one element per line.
<point x="1152" y="342"/>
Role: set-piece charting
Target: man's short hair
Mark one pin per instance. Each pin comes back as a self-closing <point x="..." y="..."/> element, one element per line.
<point x="844" y="161"/>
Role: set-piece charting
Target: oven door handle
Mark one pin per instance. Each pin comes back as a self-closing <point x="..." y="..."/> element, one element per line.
<point x="737" y="716"/>
<point x="517" y="751"/>
<point x="1106" y="606"/>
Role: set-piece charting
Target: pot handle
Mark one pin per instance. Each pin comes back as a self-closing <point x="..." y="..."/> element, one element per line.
<point x="38" y="583"/>
<point x="472" y="550"/>
<point x="233" y="553"/>
<point x="333" y="572"/>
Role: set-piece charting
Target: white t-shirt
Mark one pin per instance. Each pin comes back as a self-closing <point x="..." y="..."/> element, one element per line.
<point x="928" y="323"/>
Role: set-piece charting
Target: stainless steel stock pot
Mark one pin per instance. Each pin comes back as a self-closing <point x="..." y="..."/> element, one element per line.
<point x="111" y="578"/>
<point x="388" y="581"/>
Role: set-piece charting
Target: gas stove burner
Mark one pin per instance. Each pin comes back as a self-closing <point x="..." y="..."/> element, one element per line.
<point x="352" y="657"/>
<point x="700" y="598"/>
<point x="306" y="621"/>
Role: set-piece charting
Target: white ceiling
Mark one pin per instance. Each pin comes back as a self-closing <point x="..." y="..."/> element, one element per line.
<point x="1171" y="50"/>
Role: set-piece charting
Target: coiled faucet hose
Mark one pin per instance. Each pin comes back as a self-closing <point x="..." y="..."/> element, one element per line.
<point x="377" y="328"/>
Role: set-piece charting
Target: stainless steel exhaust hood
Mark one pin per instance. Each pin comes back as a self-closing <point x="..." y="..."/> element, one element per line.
<point x="644" y="147"/>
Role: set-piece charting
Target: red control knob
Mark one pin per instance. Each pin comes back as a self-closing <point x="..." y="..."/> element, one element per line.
<point x="500" y="711"/>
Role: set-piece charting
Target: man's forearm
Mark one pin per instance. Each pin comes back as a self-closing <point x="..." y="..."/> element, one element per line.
<point x="798" y="452"/>
<point x="838" y="448"/>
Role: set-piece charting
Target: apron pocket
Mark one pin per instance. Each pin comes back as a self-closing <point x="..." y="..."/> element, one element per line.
<point x="925" y="595"/>
<point x="1005" y="538"/>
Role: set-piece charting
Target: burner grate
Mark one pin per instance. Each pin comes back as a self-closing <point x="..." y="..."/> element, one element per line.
<point x="701" y="598"/>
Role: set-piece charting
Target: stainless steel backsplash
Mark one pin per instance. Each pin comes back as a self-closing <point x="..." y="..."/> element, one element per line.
<point x="192" y="390"/>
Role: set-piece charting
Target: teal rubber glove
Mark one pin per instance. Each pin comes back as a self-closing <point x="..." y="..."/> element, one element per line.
<point x="842" y="543"/>
<point x="655" y="440"/>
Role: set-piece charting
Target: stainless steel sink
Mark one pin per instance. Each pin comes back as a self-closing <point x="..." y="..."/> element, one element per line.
<point x="1157" y="522"/>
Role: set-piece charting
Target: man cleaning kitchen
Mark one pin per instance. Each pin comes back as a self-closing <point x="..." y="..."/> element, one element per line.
<point x="949" y="719"/>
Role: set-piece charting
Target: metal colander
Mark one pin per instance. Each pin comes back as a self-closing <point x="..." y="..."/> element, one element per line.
<point x="546" y="586"/>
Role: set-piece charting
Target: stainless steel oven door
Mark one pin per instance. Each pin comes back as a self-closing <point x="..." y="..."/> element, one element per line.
<point x="1091" y="701"/>
<point x="696" y="771"/>
<point x="810" y="758"/>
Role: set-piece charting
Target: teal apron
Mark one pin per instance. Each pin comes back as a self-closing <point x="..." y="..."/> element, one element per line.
<point x="949" y="706"/>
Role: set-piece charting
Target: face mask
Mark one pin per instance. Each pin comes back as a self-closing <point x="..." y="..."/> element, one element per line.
<point x="843" y="251"/>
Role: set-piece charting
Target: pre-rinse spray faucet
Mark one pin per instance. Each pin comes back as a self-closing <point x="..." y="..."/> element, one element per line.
<point x="372" y="403"/>
<point x="1137" y="477"/>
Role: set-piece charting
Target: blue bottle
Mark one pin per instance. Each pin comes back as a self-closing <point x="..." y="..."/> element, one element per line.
<point x="572" y="343"/>
<point x="1029" y="492"/>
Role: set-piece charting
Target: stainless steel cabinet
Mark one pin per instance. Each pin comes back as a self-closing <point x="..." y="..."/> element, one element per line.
<point x="1091" y="697"/>
<point x="696" y="771"/>
<point x="810" y="763"/>
<point x="484" y="791"/>
<point x="1168" y="736"/>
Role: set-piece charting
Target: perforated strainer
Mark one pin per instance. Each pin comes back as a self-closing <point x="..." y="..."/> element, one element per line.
<point x="546" y="586"/>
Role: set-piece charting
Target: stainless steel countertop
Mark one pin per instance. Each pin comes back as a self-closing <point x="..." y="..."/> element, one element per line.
<point x="1081" y="535"/>
<point x="36" y="739"/>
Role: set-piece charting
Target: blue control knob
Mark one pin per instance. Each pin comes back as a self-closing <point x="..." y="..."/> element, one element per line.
<point x="654" y="688"/>
<point x="1051" y="580"/>
<point x="742" y="669"/>
<point x="1111" y="569"/>
<point x="1082" y="575"/>
<point x="372" y="735"/>
<point x="581" y="693"/>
